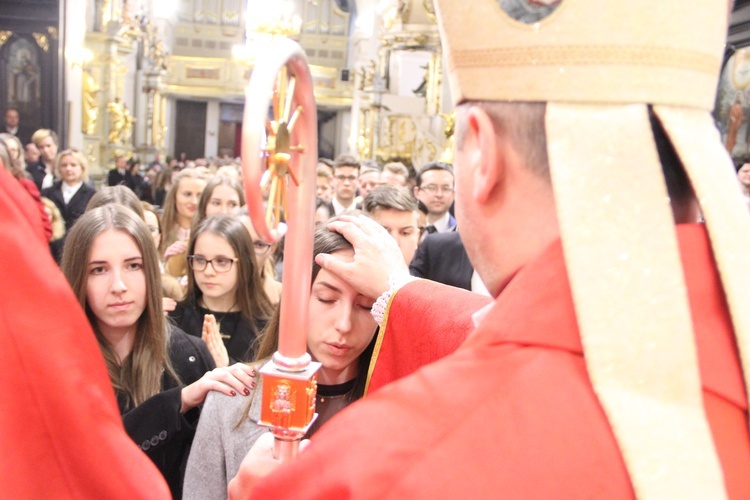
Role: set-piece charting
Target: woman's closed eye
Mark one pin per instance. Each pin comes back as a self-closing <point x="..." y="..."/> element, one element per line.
<point x="325" y="299"/>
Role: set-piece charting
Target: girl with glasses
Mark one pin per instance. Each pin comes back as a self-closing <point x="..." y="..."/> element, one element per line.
<point x="225" y="303"/>
<point x="341" y="338"/>
<point x="160" y="375"/>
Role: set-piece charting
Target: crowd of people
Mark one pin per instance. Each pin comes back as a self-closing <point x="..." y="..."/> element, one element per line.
<point x="593" y="343"/>
<point x="182" y="295"/>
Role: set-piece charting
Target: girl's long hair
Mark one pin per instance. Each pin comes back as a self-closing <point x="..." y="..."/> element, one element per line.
<point x="139" y="375"/>
<point x="250" y="297"/>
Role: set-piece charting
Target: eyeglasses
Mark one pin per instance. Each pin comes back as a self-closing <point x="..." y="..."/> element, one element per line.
<point x="261" y="247"/>
<point x="346" y="178"/>
<point x="220" y="264"/>
<point x="432" y="188"/>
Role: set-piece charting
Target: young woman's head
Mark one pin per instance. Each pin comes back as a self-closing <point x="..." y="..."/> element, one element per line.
<point x="181" y="202"/>
<point x="230" y="281"/>
<point x="180" y="205"/>
<point x="152" y="221"/>
<point x="222" y="196"/>
<point x="164" y="179"/>
<point x="341" y="328"/>
<point x="72" y="166"/>
<point x="15" y="154"/>
<point x="116" y="194"/>
<point x="111" y="263"/>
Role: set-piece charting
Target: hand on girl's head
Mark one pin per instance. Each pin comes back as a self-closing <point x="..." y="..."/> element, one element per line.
<point x="231" y="380"/>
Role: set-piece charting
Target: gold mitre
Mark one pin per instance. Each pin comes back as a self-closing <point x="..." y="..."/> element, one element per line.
<point x="609" y="72"/>
<point x="619" y="51"/>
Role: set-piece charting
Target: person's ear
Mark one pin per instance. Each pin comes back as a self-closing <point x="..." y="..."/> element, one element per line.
<point x="484" y="154"/>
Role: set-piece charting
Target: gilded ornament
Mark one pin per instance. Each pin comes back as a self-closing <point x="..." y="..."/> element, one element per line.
<point x="4" y="35"/>
<point x="42" y="41"/>
<point x="116" y="120"/>
<point x="89" y="104"/>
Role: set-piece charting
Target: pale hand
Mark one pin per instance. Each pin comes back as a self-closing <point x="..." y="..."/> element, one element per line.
<point x="212" y="337"/>
<point x="168" y="305"/>
<point x="231" y="380"/>
<point x="376" y="256"/>
<point x="257" y="464"/>
<point x="175" y="248"/>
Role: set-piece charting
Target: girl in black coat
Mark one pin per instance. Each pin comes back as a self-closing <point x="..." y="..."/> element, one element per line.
<point x="225" y="302"/>
<point x="160" y="375"/>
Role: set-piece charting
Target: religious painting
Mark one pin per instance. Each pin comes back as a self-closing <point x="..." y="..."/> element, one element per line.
<point x="25" y="82"/>
<point x="733" y="104"/>
<point x="23" y="78"/>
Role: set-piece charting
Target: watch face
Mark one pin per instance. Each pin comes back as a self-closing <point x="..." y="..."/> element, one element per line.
<point x="741" y="69"/>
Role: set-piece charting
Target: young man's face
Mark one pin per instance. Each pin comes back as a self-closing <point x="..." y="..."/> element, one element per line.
<point x="367" y="182"/>
<point x="403" y="226"/>
<point x="436" y="191"/>
<point x="11" y="118"/>
<point x="323" y="188"/>
<point x="31" y="153"/>
<point x="47" y="149"/>
<point x="345" y="183"/>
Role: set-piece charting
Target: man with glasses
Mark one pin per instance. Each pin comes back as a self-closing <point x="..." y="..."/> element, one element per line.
<point x="264" y="258"/>
<point x="435" y="189"/>
<point x="345" y="175"/>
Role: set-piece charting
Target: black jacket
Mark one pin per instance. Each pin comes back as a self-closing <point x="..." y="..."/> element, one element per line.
<point x="38" y="171"/>
<point x="442" y="257"/>
<point x="75" y="207"/>
<point x="238" y="334"/>
<point x="157" y="425"/>
<point x="114" y="177"/>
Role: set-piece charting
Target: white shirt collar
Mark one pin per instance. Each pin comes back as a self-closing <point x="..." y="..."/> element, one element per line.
<point x="338" y="207"/>
<point x="69" y="191"/>
<point x="443" y="223"/>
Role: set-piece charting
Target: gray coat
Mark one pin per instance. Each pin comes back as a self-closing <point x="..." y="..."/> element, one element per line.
<point x="219" y="447"/>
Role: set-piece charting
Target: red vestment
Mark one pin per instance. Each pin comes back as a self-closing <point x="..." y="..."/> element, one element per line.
<point x="511" y="413"/>
<point x="61" y="434"/>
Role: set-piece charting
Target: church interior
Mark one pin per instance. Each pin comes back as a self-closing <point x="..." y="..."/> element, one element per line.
<point x="137" y="78"/>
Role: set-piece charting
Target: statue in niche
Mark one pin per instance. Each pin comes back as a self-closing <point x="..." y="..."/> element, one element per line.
<point x="127" y="125"/>
<point x="368" y="76"/>
<point x="449" y="132"/>
<point x="116" y="120"/>
<point x="89" y="104"/>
